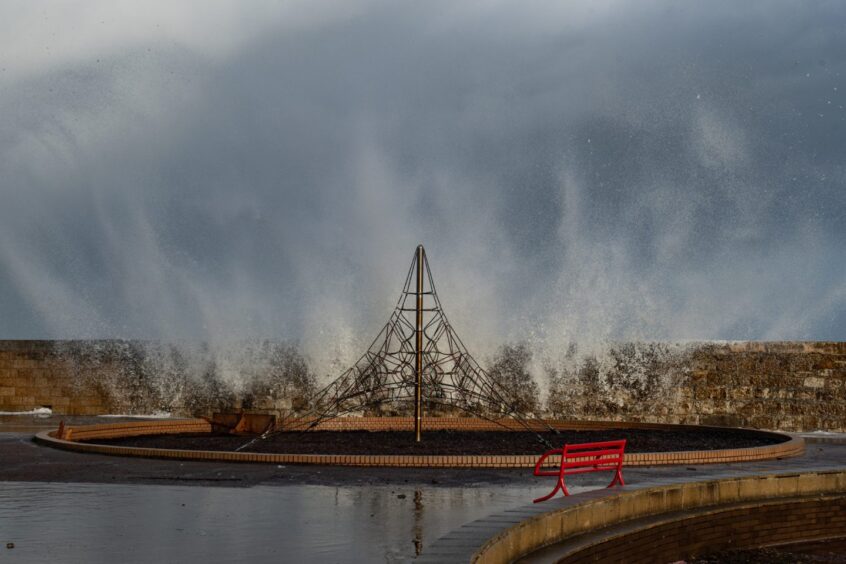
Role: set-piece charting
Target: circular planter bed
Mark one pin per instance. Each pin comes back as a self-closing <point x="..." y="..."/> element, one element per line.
<point x="457" y="442"/>
<point x="448" y="443"/>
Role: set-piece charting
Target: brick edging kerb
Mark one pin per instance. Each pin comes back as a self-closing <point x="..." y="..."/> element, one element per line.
<point x="793" y="447"/>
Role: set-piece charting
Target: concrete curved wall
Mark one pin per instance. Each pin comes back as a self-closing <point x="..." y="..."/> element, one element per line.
<point x="671" y="522"/>
<point x="696" y="533"/>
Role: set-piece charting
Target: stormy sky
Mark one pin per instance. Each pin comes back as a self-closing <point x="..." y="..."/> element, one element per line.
<point x="581" y="170"/>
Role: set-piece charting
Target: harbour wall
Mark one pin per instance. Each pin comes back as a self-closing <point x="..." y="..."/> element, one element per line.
<point x="789" y="386"/>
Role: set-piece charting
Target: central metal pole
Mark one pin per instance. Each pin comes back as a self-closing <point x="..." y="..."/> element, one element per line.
<point x="418" y="349"/>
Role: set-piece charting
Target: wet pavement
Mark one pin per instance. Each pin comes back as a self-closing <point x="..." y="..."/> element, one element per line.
<point x="92" y="523"/>
<point x="70" y="507"/>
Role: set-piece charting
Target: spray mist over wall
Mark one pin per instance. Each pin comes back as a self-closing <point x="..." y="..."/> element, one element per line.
<point x="579" y="172"/>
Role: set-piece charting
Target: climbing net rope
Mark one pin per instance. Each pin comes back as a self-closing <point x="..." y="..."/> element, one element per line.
<point x="386" y="372"/>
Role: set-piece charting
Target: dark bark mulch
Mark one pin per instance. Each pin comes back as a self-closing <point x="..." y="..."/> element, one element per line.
<point x="454" y="442"/>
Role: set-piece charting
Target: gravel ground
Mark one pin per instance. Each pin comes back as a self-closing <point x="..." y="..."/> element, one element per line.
<point x="822" y="552"/>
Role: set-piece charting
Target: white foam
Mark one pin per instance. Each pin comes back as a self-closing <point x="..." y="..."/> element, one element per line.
<point x="37" y="411"/>
<point x="820" y="433"/>
<point x="156" y="415"/>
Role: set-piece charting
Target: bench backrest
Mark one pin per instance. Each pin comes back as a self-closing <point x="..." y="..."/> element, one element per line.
<point x="585" y="457"/>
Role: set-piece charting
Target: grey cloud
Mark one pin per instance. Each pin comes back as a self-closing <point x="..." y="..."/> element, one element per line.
<point x="662" y="170"/>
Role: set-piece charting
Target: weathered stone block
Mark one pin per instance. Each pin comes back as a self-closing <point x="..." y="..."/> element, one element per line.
<point x="23" y="401"/>
<point x="716" y="393"/>
<point x="801" y="394"/>
<point x="809" y="422"/>
<point x="722" y="420"/>
<point x="823" y="363"/>
<point x="741" y="393"/>
<point x="814" y="382"/>
<point x="762" y="422"/>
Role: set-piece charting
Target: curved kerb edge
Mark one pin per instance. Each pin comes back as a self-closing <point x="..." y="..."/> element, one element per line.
<point x="615" y="521"/>
<point x="795" y="446"/>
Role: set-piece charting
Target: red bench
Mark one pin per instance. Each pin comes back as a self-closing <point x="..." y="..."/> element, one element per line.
<point x="581" y="458"/>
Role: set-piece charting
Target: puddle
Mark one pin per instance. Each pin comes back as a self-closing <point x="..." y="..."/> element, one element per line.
<point x="92" y="523"/>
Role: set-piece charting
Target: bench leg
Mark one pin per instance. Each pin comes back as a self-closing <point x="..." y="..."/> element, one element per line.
<point x="618" y="479"/>
<point x="559" y="486"/>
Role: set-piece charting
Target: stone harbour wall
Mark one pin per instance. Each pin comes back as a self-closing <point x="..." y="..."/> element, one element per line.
<point x="789" y="386"/>
<point x="33" y="375"/>
<point x="792" y="386"/>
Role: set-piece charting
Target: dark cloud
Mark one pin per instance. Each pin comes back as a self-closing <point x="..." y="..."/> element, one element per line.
<point x="662" y="170"/>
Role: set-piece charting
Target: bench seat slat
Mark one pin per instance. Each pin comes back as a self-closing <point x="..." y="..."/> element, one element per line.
<point x="604" y="444"/>
<point x="587" y="453"/>
<point x="586" y="470"/>
<point x="598" y="465"/>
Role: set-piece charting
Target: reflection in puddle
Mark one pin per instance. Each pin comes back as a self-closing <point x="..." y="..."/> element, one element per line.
<point x="139" y="523"/>
<point x="418" y="518"/>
